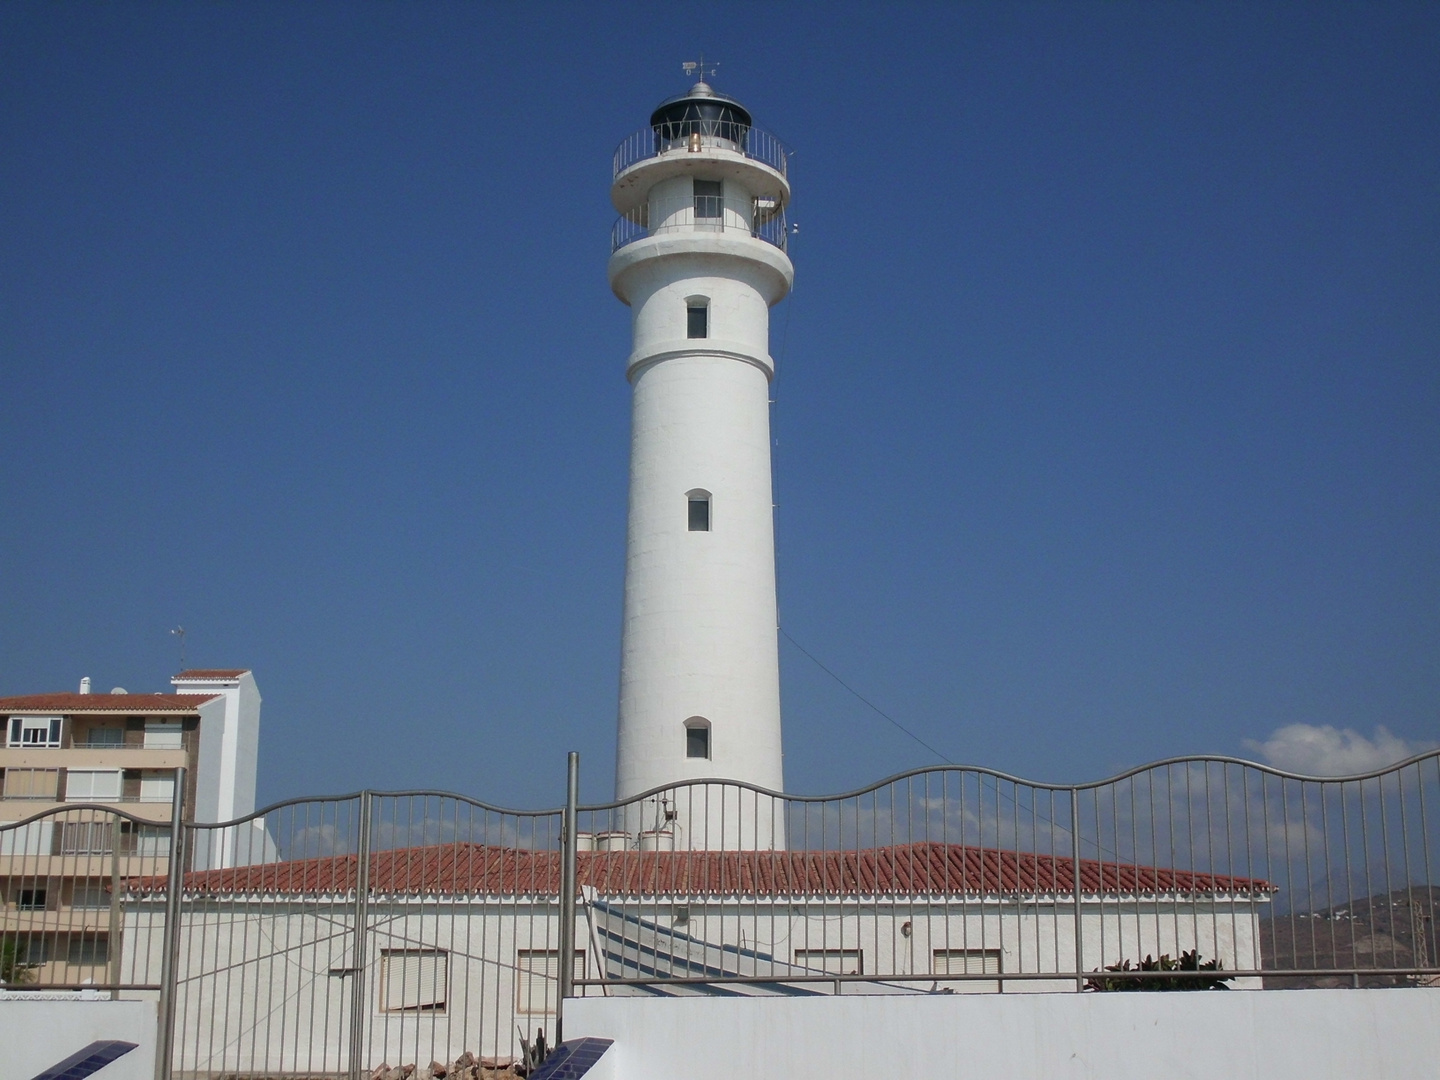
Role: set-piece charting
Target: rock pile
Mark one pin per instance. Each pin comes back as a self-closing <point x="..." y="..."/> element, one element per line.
<point x="465" y="1067"/>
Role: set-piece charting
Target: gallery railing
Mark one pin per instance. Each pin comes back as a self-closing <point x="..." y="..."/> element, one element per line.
<point x="702" y="214"/>
<point x="326" y="936"/>
<point x="687" y="136"/>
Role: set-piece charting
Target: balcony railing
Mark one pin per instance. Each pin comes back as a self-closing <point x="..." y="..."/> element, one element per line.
<point x="760" y="218"/>
<point x="751" y="142"/>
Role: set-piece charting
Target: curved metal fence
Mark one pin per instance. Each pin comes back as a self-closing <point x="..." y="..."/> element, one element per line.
<point x="328" y="936"/>
<point x="702" y="214"/>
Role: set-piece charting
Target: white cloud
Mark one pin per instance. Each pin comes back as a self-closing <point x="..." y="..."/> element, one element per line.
<point x="1322" y="750"/>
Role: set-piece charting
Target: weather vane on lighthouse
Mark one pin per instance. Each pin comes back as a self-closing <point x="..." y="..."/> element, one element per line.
<point x="698" y="68"/>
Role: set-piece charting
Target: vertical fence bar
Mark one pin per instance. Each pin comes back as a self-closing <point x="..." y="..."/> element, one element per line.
<point x="170" y="953"/>
<point x="358" y="993"/>
<point x="1075" y="867"/>
<point x="567" y="891"/>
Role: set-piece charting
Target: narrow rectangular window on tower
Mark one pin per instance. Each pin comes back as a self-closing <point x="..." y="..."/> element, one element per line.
<point x="697" y="741"/>
<point x="709" y="200"/>
<point x="699" y="514"/>
<point x="697" y="321"/>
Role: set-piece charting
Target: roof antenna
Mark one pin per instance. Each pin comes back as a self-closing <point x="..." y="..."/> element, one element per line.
<point x="698" y="69"/>
<point x="179" y="632"/>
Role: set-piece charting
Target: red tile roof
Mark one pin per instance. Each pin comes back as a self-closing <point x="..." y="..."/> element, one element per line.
<point x="118" y="703"/>
<point x="905" y="870"/>
<point x="212" y="674"/>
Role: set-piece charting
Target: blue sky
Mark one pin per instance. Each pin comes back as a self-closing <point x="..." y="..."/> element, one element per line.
<point x="1107" y="418"/>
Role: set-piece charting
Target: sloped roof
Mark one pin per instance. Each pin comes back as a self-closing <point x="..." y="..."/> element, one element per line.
<point x="903" y="870"/>
<point x="212" y="674"/>
<point x="112" y="703"/>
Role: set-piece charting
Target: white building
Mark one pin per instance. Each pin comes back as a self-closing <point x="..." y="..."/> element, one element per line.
<point x="462" y="941"/>
<point x="699" y="255"/>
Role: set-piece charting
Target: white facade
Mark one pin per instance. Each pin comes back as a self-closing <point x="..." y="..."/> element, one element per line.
<point x="699" y="647"/>
<point x="229" y="742"/>
<point x="266" y="980"/>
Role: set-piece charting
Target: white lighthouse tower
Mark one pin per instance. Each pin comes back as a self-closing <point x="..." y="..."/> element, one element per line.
<point x="699" y="255"/>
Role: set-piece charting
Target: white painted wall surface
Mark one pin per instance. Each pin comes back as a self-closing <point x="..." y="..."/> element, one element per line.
<point x="34" y="1035"/>
<point x="265" y="983"/>
<point x="229" y="750"/>
<point x="1240" y="1035"/>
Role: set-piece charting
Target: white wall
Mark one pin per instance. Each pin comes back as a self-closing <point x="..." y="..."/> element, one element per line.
<point x="34" y="1035"/>
<point x="229" y="748"/>
<point x="1270" y="1034"/>
<point x="266" y="983"/>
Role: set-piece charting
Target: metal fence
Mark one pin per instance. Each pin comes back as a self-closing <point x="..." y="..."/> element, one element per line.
<point x="326" y="936"/>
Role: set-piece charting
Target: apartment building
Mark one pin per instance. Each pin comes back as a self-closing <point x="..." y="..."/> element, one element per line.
<point x="60" y="875"/>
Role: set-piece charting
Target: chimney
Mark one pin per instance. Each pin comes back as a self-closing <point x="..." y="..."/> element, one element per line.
<point x="85" y="685"/>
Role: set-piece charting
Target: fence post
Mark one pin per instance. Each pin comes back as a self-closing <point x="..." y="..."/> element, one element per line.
<point x="568" y="824"/>
<point x="170" y="950"/>
<point x="1075" y="866"/>
<point x="358" y="994"/>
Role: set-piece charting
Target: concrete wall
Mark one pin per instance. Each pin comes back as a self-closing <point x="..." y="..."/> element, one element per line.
<point x="1274" y="1034"/>
<point x="34" y="1035"/>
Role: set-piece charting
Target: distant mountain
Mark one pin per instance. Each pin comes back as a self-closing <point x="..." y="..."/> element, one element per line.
<point x="1387" y="930"/>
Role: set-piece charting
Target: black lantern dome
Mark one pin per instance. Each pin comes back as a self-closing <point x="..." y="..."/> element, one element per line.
<point x="701" y="113"/>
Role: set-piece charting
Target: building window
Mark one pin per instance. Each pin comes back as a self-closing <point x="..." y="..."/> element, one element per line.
<point x="709" y="201"/>
<point x="163" y="735"/>
<point x="537" y="981"/>
<point x="832" y="961"/>
<point x="147" y="839"/>
<point x="90" y="896"/>
<point x="31" y="731"/>
<point x="87" y="837"/>
<point x="92" y="785"/>
<point x="697" y="320"/>
<point x="32" y="951"/>
<point x="157" y="785"/>
<point x="966" y="962"/>
<point x="413" y="980"/>
<point x="30" y="899"/>
<point x="88" y="951"/>
<point x="32" y="783"/>
<point x="699" y="510"/>
<point x="697" y="737"/>
<point x="104" y="737"/>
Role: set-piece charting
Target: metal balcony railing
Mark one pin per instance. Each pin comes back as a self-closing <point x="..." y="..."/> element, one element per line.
<point x="763" y="219"/>
<point x="751" y="142"/>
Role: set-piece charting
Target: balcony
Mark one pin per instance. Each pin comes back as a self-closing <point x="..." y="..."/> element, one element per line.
<point x="763" y="219"/>
<point x="695" y="135"/>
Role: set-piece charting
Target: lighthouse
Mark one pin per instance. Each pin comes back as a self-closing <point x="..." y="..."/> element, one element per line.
<point x="699" y="255"/>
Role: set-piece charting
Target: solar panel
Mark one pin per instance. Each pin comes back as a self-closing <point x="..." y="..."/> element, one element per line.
<point x="82" y="1063"/>
<point x="571" y="1060"/>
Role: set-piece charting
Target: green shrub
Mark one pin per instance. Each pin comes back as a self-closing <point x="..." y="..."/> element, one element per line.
<point x="1203" y="979"/>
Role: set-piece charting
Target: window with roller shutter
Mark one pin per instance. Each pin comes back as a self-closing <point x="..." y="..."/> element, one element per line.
<point x="537" y="978"/>
<point x="413" y="980"/>
<point x="92" y="785"/>
<point x="966" y="962"/>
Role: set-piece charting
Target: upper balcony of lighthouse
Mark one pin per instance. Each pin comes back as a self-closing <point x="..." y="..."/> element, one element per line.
<point x="701" y="167"/>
